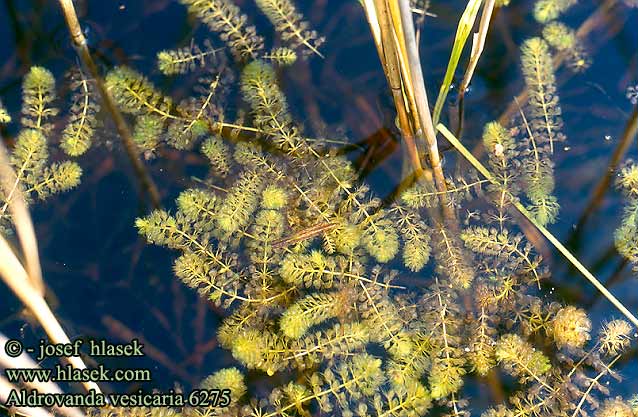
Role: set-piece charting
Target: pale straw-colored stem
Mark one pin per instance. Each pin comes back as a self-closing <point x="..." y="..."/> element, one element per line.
<point x="478" y="43"/>
<point x="548" y="235"/>
<point x="16" y="278"/>
<point x="25" y="362"/>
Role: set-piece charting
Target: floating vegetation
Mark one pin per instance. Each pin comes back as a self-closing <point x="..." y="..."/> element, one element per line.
<point x="333" y="299"/>
<point x="183" y="60"/>
<point x="225" y="18"/>
<point x="563" y="39"/>
<point x="548" y="10"/>
<point x="78" y="133"/>
<point x="626" y="236"/>
<point x="35" y="174"/>
<point x="290" y="25"/>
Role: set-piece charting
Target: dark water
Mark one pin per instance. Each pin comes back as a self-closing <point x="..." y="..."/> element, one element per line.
<point x="106" y="282"/>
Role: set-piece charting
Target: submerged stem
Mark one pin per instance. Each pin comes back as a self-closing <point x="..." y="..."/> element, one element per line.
<point x="81" y="46"/>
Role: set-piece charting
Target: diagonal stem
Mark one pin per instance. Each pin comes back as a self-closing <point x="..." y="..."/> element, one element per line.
<point x="81" y="46"/>
<point x="548" y="235"/>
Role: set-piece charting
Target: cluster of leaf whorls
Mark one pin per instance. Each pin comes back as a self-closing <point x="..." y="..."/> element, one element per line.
<point x="36" y="176"/>
<point x="297" y="250"/>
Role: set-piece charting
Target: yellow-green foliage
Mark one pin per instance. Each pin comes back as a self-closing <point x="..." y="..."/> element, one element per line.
<point x="251" y="242"/>
<point x="504" y="163"/>
<point x="36" y="175"/>
<point x="78" y="133"/>
<point x="38" y="95"/>
<point x="225" y="18"/>
<point x="626" y="235"/>
<point x="136" y="95"/>
<point x="274" y="197"/>
<point x="218" y="154"/>
<point x="270" y="109"/>
<point x="571" y="327"/>
<point x="416" y="234"/>
<point x="5" y="117"/>
<point x="290" y="24"/>
<point x="547" y="10"/>
<point x="183" y="60"/>
<point x="147" y="131"/>
<point x="297" y="249"/>
<point x="307" y="312"/>
<point x="543" y="129"/>
<point x="545" y="111"/>
<point x="229" y="378"/>
<point x="520" y="359"/>
<point x="281" y="56"/>
<point x="240" y="203"/>
<point x="563" y="38"/>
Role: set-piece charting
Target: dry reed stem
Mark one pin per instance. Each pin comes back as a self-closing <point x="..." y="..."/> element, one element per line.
<point x="17" y="279"/>
<point x="393" y="32"/>
<point x="392" y="68"/>
<point x="478" y="43"/>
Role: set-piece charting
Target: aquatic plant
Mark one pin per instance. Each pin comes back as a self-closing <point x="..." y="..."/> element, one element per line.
<point x="563" y="39"/>
<point x="290" y="24"/>
<point x="36" y="175"/>
<point x="78" y="133"/>
<point x="5" y="117"/>
<point x="548" y="10"/>
<point x="225" y="18"/>
<point x="310" y="267"/>
<point x="626" y="236"/>
<point x="182" y="60"/>
<point x="293" y="246"/>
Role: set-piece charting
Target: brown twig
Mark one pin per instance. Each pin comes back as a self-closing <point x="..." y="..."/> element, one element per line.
<point x="81" y="46"/>
<point x="122" y="332"/>
<point x="631" y="129"/>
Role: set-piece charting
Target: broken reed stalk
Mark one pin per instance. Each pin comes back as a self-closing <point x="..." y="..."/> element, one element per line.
<point x="478" y="43"/>
<point x="417" y="86"/>
<point x="25" y="362"/>
<point x="393" y="32"/>
<point x="548" y="235"/>
<point x="82" y="49"/>
<point x="388" y="53"/>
